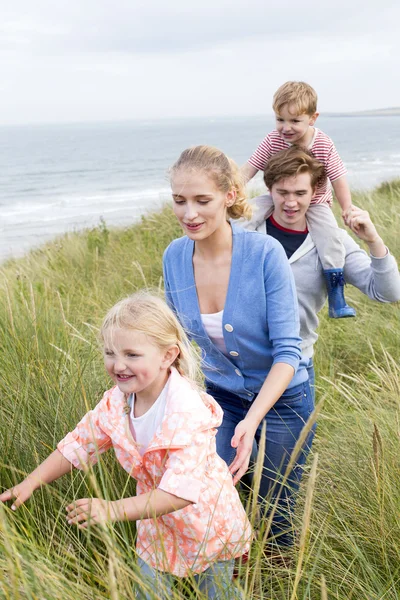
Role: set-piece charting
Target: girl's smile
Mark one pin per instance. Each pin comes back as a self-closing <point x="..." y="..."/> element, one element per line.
<point x="137" y="365"/>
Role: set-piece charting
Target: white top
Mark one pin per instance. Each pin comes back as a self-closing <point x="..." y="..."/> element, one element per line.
<point x="143" y="428"/>
<point x="213" y="325"/>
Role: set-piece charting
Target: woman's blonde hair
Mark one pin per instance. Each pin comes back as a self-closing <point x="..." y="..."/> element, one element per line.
<point x="147" y="313"/>
<point x="223" y="171"/>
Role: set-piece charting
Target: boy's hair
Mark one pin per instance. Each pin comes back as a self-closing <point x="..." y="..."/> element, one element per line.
<point x="223" y="171"/>
<point x="147" y="313"/>
<point x="297" y="94"/>
<point x="292" y="162"/>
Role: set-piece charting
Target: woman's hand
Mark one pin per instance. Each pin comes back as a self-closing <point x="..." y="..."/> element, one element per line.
<point x="90" y="511"/>
<point x="20" y="494"/>
<point x="243" y="442"/>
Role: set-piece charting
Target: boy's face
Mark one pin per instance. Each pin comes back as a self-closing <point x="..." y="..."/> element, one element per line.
<point x="294" y="128"/>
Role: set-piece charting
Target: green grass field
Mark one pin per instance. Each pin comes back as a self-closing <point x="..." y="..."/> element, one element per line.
<point x="51" y="304"/>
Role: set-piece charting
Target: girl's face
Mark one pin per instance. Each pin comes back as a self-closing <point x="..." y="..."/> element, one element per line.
<point x="135" y="363"/>
<point x="199" y="205"/>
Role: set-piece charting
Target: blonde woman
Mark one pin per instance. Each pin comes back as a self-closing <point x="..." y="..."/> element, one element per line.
<point x="233" y="291"/>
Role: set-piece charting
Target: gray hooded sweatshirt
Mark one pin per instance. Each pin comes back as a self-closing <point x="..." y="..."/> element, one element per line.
<point x="377" y="278"/>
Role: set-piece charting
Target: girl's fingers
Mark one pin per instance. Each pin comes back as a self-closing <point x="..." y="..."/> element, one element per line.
<point x="81" y="510"/>
<point x="80" y="502"/>
<point x="17" y="502"/>
<point x="7" y="495"/>
<point x="81" y="519"/>
<point x="12" y="494"/>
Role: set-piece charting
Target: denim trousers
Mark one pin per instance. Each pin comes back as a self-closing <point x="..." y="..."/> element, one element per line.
<point x="311" y="376"/>
<point x="215" y="582"/>
<point x="284" y="423"/>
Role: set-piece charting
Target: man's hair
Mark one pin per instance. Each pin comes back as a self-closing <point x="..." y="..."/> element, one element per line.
<point x="298" y="96"/>
<point x="293" y="162"/>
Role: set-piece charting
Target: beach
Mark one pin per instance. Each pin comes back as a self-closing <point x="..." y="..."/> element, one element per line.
<point x="60" y="178"/>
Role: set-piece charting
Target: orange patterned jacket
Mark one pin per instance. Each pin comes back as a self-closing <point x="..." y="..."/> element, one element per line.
<point x="181" y="459"/>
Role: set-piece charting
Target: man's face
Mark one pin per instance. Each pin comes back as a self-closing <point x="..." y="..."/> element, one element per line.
<point x="292" y="197"/>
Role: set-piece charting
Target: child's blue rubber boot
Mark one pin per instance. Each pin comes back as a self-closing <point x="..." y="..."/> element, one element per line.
<point x="338" y="309"/>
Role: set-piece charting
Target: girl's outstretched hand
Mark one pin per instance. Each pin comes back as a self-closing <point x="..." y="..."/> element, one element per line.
<point x="243" y="442"/>
<point x="90" y="511"/>
<point x="20" y="494"/>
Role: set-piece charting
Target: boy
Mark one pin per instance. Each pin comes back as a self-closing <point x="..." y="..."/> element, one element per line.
<point x="295" y="107"/>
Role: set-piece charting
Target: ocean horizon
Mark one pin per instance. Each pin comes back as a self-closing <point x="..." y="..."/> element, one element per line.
<point x="60" y="178"/>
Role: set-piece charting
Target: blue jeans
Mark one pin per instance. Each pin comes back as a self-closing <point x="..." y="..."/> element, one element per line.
<point x="311" y="376"/>
<point x="284" y="423"/>
<point x="215" y="582"/>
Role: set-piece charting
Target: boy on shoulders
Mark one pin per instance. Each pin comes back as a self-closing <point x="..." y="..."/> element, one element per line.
<point x="295" y="107"/>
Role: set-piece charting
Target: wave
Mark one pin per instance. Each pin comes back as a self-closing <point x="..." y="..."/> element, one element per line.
<point x="81" y="204"/>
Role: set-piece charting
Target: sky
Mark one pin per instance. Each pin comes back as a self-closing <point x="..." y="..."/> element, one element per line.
<point x="96" y="60"/>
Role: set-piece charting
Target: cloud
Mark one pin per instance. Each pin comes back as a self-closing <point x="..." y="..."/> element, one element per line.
<point x="68" y="61"/>
<point x="139" y="26"/>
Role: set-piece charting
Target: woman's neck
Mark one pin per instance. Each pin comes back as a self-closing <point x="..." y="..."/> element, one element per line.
<point x="216" y="244"/>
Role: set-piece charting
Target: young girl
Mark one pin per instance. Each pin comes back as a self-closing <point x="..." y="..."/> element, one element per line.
<point x="233" y="290"/>
<point x="190" y="518"/>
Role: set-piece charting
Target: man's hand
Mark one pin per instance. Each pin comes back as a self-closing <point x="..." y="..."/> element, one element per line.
<point x="360" y="223"/>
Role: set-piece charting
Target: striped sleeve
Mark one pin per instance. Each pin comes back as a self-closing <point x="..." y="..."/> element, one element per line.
<point x="324" y="150"/>
<point x="270" y="145"/>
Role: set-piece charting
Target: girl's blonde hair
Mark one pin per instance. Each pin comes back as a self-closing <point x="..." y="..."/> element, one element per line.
<point x="223" y="171"/>
<point x="146" y="313"/>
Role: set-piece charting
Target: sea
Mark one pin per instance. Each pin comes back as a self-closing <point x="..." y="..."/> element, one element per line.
<point x="60" y="178"/>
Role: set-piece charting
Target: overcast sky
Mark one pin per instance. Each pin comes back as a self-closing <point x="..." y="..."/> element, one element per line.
<point x="91" y="60"/>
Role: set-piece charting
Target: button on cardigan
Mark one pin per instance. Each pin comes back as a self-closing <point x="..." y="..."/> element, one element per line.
<point x="260" y="318"/>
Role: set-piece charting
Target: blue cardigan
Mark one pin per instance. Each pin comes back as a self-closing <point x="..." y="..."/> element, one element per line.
<point x="260" y="318"/>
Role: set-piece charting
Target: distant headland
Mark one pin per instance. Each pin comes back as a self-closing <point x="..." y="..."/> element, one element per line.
<point x="393" y="111"/>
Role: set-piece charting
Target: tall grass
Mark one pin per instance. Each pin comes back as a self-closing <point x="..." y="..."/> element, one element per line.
<point x="51" y="373"/>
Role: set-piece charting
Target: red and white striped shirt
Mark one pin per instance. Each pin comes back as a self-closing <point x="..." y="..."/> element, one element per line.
<point x="321" y="147"/>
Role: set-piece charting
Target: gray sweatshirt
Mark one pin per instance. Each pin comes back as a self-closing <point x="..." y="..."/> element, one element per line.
<point x="378" y="278"/>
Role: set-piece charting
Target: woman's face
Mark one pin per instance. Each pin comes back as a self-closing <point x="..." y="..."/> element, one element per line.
<point x="198" y="204"/>
<point x="292" y="197"/>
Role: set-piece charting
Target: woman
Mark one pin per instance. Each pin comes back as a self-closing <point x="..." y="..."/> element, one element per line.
<point x="234" y="293"/>
<point x="291" y="176"/>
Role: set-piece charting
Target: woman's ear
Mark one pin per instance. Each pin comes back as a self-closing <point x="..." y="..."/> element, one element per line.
<point x="170" y="356"/>
<point x="230" y="197"/>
